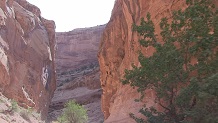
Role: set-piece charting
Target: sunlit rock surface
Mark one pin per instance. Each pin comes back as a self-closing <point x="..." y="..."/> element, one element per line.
<point x="27" y="41"/>
<point x="118" y="50"/>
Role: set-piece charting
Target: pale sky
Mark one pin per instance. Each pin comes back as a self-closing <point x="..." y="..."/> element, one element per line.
<point x="71" y="14"/>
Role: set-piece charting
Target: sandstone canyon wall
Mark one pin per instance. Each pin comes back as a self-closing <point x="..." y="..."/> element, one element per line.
<point x="77" y="48"/>
<point x="27" y="44"/>
<point x="118" y="50"/>
<point x="78" y="72"/>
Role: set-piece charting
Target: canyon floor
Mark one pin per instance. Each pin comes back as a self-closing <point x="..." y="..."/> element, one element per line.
<point x="81" y="85"/>
<point x="78" y="74"/>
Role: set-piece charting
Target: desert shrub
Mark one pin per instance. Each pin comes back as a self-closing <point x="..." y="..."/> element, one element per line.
<point x="73" y="113"/>
<point x="14" y="106"/>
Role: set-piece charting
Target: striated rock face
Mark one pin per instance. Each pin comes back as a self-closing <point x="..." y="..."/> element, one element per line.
<point x="78" y="72"/>
<point x="27" y="71"/>
<point x="77" y="48"/>
<point x="118" y="50"/>
<point x="84" y="88"/>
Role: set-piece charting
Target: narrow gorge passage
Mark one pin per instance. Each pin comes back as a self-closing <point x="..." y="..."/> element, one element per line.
<point x="42" y="67"/>
<point x="78" y="72"/>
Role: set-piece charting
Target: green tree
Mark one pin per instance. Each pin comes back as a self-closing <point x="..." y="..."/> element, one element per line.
<point x="183" y="71"/>
<point x="73" y="113"/>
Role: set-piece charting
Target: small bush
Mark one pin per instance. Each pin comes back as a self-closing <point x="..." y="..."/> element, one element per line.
<point x="73" y="113"/>
<point x="14" y="106"/>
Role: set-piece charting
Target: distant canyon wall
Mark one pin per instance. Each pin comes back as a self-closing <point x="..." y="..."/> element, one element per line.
<point x="78" y="47"/>
<point x="27" y="50"/>
<point x="78" y="71"/>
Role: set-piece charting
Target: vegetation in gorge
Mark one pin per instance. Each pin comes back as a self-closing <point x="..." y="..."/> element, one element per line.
<point x="73" y="113"/>
<point x="183" y="72"/>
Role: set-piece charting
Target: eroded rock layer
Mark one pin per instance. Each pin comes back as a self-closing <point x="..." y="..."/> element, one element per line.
<point x="77" y="48"/>
<point x="84" y="88"/>
<point x="78" y="72"/>
<point x="27" y="41"/>
<point x="119" y="49"/>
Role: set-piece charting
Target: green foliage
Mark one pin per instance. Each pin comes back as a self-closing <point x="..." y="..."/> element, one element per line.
<point x="73" y="113"/>
<point x="186" y="90"/>
<point x="14" y="106"/>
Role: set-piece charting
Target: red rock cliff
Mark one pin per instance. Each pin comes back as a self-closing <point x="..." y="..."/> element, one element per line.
<point x="118" y="50"/>
<point x="78" y="47"/>
<point x="27" y="41"/>
<point x="78" y="71"/>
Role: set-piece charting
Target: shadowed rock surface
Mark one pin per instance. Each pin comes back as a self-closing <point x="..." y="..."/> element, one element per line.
<point x="78" y="72"/>
<point x="77" y="48"/>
